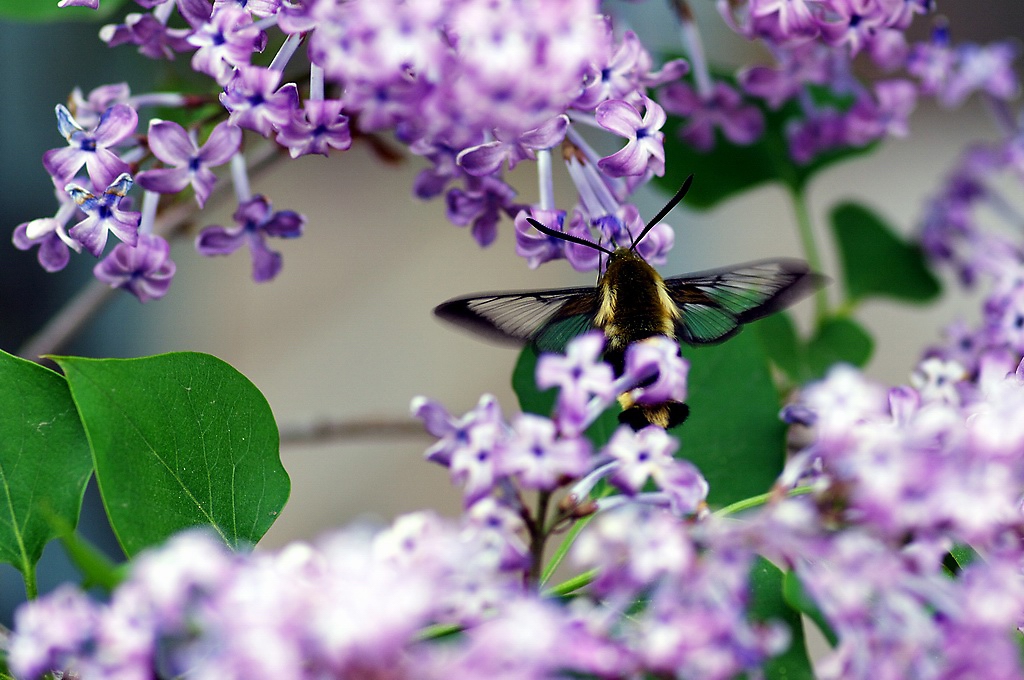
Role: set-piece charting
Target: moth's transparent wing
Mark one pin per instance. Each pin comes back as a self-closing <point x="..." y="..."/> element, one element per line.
<point x="547" y="318"/>
<point x="714" y="304"/>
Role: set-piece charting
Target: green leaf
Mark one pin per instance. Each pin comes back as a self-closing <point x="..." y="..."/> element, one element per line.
<point x="733" y="434"/>
<point x="179" y="440"/>
<point x="877" y="262"/>
<point x="531" y="399"/>
<point x="798" y="598"/>
<point x="838" y="340"/>
<point x="768" y="604"/>
<point x="778" y="336"/>
<point x="47" y="10"/>
<point x="44" y="462"/>
<point x="729" y="169"/>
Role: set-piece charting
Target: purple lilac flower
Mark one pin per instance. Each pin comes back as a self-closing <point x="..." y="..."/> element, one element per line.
<point x="51" y="632"/>
<point x="724" y="109"/>
<point x="91" y="149"/>
<point x="657" y="358"/>
<point x="50" y="235"/>
<point x="487" y="158"/>
<point x="259" y="8"/>
<point x="320" y="127"/>
<point x="190" y="163"/>
<point x="255" y="220"/>
<point x="624" y="71"/>
<point x="644" y="151"/>
<point x="256" y="103"/>
<point x="806" y="64"/>
<point x="870" y="119"/>
<point x="647" y="455"/>
<point x="616" y="223"/>
<point x="226" y="43"/>
<point x="91" y="4"/>
<point x="479" y="206"/>
<point x="90" y="108"/>
<point x="103" y="215"/>
<point x="531" y="244"/>
<point x="579" y="375"/>
<point x="468" y="446"/>
<point x="538" y="458"/>
<point x="145" y="270"/>
<point x="155" y="38"/>
<point x="982" y="68"/>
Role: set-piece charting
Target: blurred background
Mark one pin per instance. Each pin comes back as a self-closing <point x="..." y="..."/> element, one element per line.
<point x="345" y="333"/>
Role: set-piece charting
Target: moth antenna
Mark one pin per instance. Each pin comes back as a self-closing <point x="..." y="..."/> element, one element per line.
<point x="664" y="211"/>
<point x="566" y="237"/>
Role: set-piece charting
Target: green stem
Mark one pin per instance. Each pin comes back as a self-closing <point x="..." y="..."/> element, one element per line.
<point x="563" y="548"/>
<point x="538" y="536"/>
<point x="806" y="228"/>
<point x="31" y="589"/>
<point x="755" y="501"/>
<point x="572" y="585"/>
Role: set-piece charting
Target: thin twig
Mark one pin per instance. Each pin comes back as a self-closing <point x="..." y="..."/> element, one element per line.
<point x="73" y="316"/>
<point x="326" y="432"/>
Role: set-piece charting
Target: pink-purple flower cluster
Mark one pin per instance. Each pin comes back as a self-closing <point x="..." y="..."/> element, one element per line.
<point x="471" y="86"/>
<point x="491" y="458"/>
<point x="898" y="479"/>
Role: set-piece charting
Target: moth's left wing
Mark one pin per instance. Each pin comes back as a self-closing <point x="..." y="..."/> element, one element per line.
<point x="713" y="304"/>
<point x="547" y="318"/>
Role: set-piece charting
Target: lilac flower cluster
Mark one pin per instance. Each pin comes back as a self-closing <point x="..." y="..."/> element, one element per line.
<point x="492" y="459"/>
<point x="471" y="86"/>
<point x="813" y="43"/>
<point x="898" y="479"/>
<point x="970" y="225"/>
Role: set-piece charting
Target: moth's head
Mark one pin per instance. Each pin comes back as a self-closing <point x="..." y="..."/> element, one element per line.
<point x="625" y="263"/>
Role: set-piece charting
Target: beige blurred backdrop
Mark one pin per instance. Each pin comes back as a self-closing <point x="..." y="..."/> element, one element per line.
<point x="345" y="333"/>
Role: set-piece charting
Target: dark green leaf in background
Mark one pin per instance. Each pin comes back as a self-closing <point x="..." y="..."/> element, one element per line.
<point x="729" y="169"/>
<point x="768" y="604"/>
<point x="838" y="340"/>
<point x="44" y="461"/>
<point x="782" y="344"/>
<point x="799" y="599"/>
<point x="47" y="10"/>
<point x="733" y="434"/>
<point x="179" y="440"/>
<point x="876" y="261"/>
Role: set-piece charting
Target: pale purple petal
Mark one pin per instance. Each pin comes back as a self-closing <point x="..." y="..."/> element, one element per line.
<point x="221" y="145"/>
<point x="619" y="117"/>
<point x="216" y="240"/>
<point x="164" y="180"/>
<point x="170" y="143"/>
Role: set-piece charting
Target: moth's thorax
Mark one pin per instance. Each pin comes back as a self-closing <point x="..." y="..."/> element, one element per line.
<point x="635" y="303"/>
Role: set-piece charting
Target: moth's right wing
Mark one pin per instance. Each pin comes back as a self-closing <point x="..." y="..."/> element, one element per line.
<point x="547" y="318"/>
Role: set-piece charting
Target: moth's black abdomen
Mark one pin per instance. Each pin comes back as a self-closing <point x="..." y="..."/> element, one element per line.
<point x="667" y="415"/>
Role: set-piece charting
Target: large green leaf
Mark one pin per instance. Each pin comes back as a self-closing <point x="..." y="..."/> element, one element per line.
<point x="729" y="169"/>
<point x="733" y="434"/>
<point x="838" y="340"/>
<point x="767" y="605"/>
<point x="782" y="344"/>
<point x="179" y="440"/>
<point x="44" y="461"/>
<point x="798" y="598"/>
<point x="877" y="262"/>
<point x="47" y="10"/>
